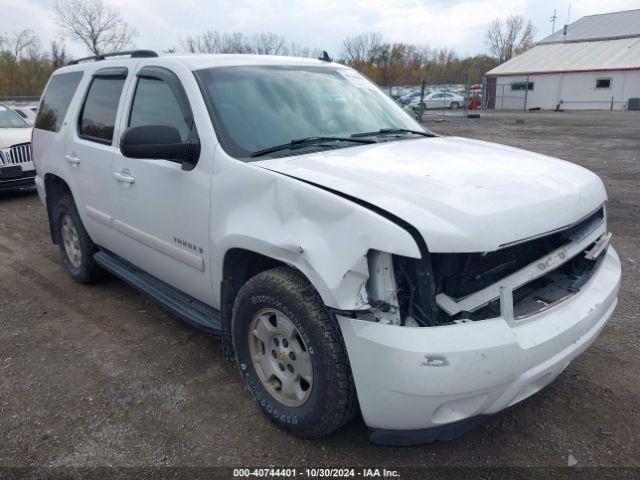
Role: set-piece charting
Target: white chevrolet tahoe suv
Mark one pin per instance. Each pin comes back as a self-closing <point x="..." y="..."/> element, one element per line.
<point x="349" y="259"/>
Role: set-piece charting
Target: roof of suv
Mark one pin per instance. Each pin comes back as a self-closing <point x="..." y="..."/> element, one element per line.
<point x="201" y="61"/>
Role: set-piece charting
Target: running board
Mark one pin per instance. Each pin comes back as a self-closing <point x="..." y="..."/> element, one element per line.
<point x="186" y="307"/>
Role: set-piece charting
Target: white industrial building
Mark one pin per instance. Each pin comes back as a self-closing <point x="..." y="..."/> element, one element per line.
<point x="593" y="63"/>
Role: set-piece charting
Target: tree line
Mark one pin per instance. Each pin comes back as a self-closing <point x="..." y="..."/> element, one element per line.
<point x="25" y="65"/>
<point x="391" y="64"/>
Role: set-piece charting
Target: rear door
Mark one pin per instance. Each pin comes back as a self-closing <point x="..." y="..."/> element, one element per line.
<point x="89" y="151"/>
<point x="163" y="210"/>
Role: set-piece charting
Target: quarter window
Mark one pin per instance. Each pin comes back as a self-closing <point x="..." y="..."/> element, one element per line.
<point x="56" y="100"/>
<point x="155" y="103"/>
<point x="603" y="83"/>
<point x="98" y="115"/>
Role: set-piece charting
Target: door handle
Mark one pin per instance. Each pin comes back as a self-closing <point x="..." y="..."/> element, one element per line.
<point x="124" y="177"/>
<point x="72" y="159"/>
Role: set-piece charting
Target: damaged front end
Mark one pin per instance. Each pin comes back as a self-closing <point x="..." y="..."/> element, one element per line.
<point x="450" y="339"/>
<point x="517" y="281"/>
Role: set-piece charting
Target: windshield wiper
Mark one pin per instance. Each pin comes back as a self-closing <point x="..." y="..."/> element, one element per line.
<point x="385" y="131"/>
<point x="304" y="142"/>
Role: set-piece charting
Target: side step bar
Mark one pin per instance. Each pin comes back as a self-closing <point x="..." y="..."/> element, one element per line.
<point x="186" y="307"/>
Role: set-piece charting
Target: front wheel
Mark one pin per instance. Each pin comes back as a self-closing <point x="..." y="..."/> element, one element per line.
<point x="291" y="354"/>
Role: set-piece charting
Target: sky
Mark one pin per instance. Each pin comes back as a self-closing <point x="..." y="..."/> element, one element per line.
<point x="322" y="24"/>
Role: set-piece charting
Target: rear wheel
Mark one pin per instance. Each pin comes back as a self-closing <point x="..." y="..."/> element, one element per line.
<point x="75" y="245"/>
<point x="454" y="105"/>
<point x="291" y="354"/>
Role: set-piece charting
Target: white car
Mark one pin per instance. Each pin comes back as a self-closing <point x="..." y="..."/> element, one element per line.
<point x="27" y="112"/>
<point x="350" y="259"/>
<point x="443" y="100"/>
<point x="16" y="167"/>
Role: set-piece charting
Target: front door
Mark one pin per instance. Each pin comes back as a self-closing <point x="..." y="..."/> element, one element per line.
<point x="163" y="210"/>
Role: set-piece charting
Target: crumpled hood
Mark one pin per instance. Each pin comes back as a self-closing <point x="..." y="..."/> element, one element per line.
<point x="12" y="136"/>
<point x="462" y="195"/>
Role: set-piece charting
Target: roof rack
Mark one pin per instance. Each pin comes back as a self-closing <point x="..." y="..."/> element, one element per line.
<point x="132" y="54"/>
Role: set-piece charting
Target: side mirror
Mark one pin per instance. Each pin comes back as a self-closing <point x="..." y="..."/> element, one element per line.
<point x="158" y="142"/>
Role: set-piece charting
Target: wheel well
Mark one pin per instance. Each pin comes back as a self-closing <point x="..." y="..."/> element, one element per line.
<point x="239" y="266"/>
<point x="55" y="188"/>
<point x="243" y="264"/>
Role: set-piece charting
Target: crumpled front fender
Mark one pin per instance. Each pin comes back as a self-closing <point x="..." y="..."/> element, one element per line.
<point x="325" y="236"/>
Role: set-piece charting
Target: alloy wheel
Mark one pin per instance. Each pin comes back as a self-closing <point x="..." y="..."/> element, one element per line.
<point x="71" y="241"/>
<point x="280" y="357"/>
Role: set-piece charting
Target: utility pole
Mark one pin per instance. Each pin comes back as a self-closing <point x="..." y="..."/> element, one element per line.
<point x="553" y="21"/>
<point x="421" y="106"/>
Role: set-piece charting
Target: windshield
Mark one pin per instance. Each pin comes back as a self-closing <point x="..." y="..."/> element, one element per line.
<point x="257" y="107"/>
<point x="10" y="119"/>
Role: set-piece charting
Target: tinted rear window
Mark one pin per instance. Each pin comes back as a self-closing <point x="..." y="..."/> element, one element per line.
<point x="56" y="99"/>
<point x="100" y="107"/>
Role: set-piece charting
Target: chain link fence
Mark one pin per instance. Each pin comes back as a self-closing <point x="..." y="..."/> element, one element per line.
<point x="454" y="98"/>
<point x="505" y="96"/>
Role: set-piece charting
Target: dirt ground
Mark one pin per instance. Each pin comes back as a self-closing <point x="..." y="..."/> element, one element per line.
<point x="101" y="376"/>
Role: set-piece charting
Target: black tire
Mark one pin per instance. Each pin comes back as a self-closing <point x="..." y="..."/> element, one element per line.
<point x="454" y="105"/>
<point x="332" y="402"/>
<point x="88" y="271"/>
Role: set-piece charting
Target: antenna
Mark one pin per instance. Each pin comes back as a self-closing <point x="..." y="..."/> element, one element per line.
<point x="325" y="57"/>
<point x="553" y="21"/>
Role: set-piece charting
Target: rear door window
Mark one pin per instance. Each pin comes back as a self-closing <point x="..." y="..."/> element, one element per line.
<point x="56" y="100"/>
<point x="98" y="116"/>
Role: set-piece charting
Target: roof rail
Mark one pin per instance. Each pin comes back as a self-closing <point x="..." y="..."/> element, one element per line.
<point x="132" y="54"/>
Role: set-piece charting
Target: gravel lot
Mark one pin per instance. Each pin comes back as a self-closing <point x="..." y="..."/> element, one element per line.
<point x="101" y="376"/>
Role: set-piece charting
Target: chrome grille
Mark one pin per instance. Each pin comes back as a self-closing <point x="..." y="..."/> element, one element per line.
<point x="3" y="161"/>
<point x="19" y="154"/>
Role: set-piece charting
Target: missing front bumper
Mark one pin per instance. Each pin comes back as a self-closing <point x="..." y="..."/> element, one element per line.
<point x="418" y="378"/>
